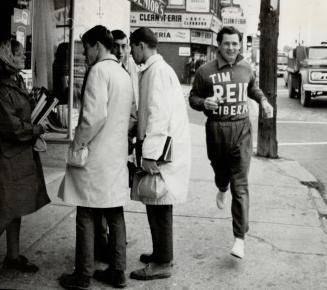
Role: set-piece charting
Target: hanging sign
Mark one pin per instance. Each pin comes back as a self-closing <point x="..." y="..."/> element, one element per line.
<point x="175" y="20"/>
<point x="197" y="5"/>
<point x="170" y="34"/>
<point x="153" y="6"/>
<point x="201" y="37"/>
<point x="184" y="51"/>
<point x="233" y="16"/>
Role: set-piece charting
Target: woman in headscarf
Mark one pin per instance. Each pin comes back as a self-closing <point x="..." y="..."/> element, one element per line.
<point x="22" y="186"/>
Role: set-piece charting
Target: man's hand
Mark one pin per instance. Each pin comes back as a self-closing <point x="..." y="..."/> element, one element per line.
<point x="150" y="166"/>
<point x="267" y="109"/>
<point x="210" y="103"/>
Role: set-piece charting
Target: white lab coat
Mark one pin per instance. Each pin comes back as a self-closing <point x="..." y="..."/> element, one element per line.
<point x="103" y="127"/>
<point x="161" y="113"/>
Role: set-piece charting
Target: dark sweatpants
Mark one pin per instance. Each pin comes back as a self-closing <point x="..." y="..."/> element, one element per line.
<point x="229" y="148"/>
<point x="84" y="257"/>
<point x="160" y="219"/>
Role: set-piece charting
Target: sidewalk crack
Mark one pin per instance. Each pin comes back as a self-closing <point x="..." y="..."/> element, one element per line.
<point x="45" y="234"/>
<point x="262" y="240"/>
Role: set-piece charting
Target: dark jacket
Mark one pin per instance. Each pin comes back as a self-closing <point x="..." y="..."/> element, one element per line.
<point x="22" y="186"/>
<point x="16" y="131"/>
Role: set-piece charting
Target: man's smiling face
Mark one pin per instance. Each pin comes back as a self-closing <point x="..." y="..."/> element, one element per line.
<point x="230" y="47"/>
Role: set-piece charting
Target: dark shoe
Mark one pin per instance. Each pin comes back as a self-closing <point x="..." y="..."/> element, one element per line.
<point x="21" y="263"/>
<point x="114" y="278"/>
<point x="152" y="271"/>
<point x="148" y="258"/>
<point x="75" y="281"/>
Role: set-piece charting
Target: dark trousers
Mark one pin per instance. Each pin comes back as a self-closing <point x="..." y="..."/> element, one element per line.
<point x="229" y="148"/>
<point x="101" y="236"/>
<point x="84" y="256"/>
<point x="160" y="219"/>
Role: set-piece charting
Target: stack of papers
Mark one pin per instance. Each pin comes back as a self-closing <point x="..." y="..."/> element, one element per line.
<point x="45" y="103"/>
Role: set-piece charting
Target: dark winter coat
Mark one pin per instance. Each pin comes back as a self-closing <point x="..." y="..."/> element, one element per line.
<point x="22" y="186"/>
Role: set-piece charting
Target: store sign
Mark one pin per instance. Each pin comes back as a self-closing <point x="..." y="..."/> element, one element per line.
<point x="154" y="6"/>
<point x="216" y="24"/>
<point x="233" y="16"/>
<point x="236" y="10"/>
<point x="184" y="51"/>
<point x="197" y="5"/>
<point x="201" y="37"/>
<point x="176" y="2"/>
<point x="239" y="23"/>
<point x="224" y="3"/>
<point x="172" y="35"/>
<point x="172" y="20"/>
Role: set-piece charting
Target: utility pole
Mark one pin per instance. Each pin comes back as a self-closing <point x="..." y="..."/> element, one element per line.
<point x="269" y="21"/>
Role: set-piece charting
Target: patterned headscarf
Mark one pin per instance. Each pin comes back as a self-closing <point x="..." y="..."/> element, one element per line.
<point x="6" y="55"/>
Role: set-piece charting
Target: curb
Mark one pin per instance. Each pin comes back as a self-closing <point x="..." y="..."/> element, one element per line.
<point x="319" y="202"/>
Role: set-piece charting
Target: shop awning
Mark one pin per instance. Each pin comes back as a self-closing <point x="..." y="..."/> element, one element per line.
<point x="153" y="6"/>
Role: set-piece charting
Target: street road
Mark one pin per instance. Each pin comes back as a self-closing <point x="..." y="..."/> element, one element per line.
<point x="301" y="132"/>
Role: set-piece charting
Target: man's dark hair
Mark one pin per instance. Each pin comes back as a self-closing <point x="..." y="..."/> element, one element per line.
<point x="228" y="30"/>
<point x="118" y="34"/>
<point x="145" y="35"/>
<point x="98" y="33"/>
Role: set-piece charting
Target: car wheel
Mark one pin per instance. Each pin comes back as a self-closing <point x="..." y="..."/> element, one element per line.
<point x="305" y="97"/>
<point x="291" y="92"/>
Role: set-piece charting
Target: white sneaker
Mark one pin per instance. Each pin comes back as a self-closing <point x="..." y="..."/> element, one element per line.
<point x="220" y="199"/>
<point x="238" y="248"/>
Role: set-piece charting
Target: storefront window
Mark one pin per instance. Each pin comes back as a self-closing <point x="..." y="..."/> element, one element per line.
<point x="44" y="29"/>
<point x="52" y="58"/>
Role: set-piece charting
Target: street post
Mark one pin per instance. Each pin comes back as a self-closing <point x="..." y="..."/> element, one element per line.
<point x="269" y="21"/>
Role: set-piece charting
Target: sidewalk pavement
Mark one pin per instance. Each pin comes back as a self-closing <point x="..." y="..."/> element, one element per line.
<point x="286" y="247"/>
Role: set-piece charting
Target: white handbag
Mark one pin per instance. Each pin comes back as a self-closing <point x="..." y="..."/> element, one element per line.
<point x="77" y="158"/>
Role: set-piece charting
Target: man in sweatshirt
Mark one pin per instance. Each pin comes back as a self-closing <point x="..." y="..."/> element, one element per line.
<point x="220" y="89"/>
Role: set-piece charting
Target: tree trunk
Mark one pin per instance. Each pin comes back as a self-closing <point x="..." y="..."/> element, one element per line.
<point x="269" y="22"/>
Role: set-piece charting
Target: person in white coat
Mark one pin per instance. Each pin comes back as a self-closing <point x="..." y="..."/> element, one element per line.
<point x="102" y="184"/>
<point x="161" y="113"/>
<point x="121" y="50"/>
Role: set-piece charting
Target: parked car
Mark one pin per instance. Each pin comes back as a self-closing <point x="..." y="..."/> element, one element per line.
<point x="307" y="73"/>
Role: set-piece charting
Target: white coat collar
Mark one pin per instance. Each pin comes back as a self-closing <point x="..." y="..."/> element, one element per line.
<point x="151" y="60"/>
<point x="109" y="56"/>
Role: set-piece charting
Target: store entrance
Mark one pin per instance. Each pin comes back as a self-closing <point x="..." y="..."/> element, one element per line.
<point x="199" y="53"/>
